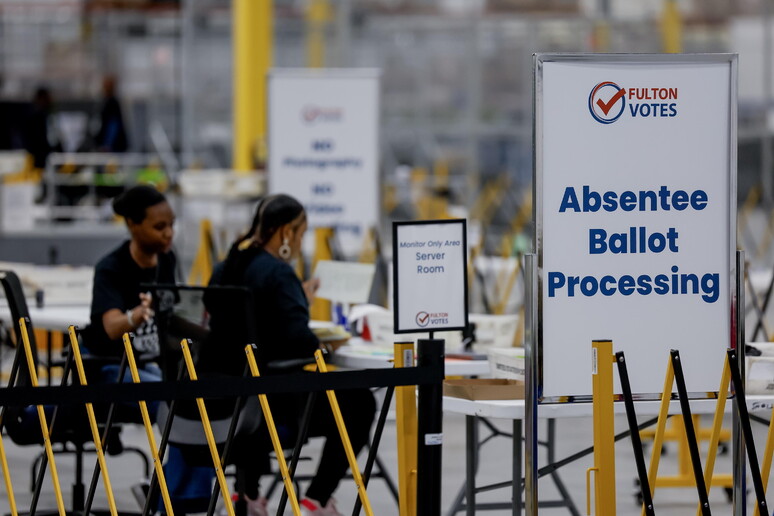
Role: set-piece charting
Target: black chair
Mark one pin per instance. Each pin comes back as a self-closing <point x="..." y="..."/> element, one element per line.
<point x="220" y="319"/>
<point x="71" y="433"/>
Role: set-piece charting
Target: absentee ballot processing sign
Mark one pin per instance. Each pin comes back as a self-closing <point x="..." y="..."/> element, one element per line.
<point x="429" y="275"/>
<point x="635" y="186"/>
<point x="324" y="144"/>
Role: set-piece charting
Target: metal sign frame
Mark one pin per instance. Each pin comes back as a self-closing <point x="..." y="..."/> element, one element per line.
<point x="538" y="161"/>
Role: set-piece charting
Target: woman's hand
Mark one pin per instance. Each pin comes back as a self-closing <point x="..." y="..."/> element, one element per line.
<point x="143" y="312"/>
<point x="310" y="288"/>
<point x="332" y="345"/>
<point x="117" y="323"/>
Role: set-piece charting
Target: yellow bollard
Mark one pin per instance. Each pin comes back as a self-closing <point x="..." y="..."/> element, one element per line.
<point x="604" y="428"/>
<point x="275" y="441"/>
<point x="148" y="428"/>
<point x="76" y="350"/>
<point x="42" y="418"/>
<point x="208" y="432"/>
<point x="345" y="439"/>
<point x="406" y="427"/>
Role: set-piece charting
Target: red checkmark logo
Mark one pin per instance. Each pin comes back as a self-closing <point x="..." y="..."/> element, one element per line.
<point x="423" y="318"/>
<point x="603" y="111"/>
<point x="605" y="106"/>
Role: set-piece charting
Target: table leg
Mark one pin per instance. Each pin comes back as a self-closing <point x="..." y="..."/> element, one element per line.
<point x="471" y="457"/>
<point x="517" y="467"/>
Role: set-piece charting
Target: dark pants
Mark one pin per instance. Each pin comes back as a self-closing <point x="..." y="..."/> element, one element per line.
<point x="358" y="408"/>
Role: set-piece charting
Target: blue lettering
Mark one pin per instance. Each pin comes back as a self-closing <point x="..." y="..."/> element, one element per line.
<point x="597" y="243"/>
<point x="569" y="200"/>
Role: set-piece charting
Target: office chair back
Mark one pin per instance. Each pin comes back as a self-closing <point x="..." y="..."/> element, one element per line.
<point x="218" y="322"/>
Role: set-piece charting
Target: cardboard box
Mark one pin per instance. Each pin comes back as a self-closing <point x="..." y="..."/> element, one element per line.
<point x="484" y="389"/>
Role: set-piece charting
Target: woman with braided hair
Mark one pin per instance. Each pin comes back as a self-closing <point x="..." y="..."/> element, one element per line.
<point x="260" y="260"/>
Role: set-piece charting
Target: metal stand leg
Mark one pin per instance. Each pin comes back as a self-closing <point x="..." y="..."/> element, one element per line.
<point x="516" y="488"/>
<point x="471" y="464"/>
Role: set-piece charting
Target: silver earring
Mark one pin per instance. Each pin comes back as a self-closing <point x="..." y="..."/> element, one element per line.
<point x="284" y="250"/>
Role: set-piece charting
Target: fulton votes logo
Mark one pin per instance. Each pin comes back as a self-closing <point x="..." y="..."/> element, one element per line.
<point x="608" y="101"/>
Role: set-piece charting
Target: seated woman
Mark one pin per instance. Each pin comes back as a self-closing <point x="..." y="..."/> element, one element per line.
<point x="260" y="261"/>
<point x="120" y="304"/>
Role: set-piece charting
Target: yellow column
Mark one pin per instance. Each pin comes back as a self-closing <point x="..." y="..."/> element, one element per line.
<point x="671" y="28"/>
<point x="317" y="16"/>
<point x="604" y="427"/>
<point x="252" y="37"/>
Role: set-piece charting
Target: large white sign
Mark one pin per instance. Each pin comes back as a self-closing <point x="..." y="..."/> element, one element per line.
<point x="636" y="215"/>
<point x="429" y="270"/>
<point x="324" y="145"/>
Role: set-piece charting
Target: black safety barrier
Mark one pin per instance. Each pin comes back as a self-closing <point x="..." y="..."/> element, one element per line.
<point x="744" y="420"/>
<point x="374" y="445"/>
<point x="430" y="374"/>
<point x="631" y="417"/>
<point x="690" y="432"/>
<point x="78" y="488"/>
<point x="150" y="497"/>
<point x="104" y="442"/>
<point x="300" y="440"/>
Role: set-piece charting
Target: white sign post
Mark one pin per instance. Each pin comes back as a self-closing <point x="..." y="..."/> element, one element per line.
<point x="429" y="276"/>
<point x="324" y="145"/>
<point x="635" y="185"/>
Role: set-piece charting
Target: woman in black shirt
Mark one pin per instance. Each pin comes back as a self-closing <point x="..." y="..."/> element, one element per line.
<point x="260" y="261"/>
<point x="118" y="303"/>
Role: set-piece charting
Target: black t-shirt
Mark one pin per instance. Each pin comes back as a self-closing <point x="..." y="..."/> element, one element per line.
<point x="117" y="280"/>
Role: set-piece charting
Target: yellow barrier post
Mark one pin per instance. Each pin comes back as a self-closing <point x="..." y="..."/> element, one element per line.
<point x="42" y="418"/>
<point x="7" y="479"/>
<point x="208" y="432"/>
<point x="361" y="490"/>
<point x="658" y="438"/>
<point x="406" y="429"/>
<point x="604" y="429"/>
<point x="76" y="351"/>
<point x="148" y="428"/>
<point x="201" y="270"/>
<point x="717" y="424"/>
<point x="321" y="308"/>
<point x="275" y="440"/>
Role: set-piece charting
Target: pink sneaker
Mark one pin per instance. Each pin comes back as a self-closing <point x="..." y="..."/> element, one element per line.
<point x="259" y="507"/>
<point x="313" y="508"/>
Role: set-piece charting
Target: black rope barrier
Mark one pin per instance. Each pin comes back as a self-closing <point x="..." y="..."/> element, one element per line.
<point x="223" y="387"/>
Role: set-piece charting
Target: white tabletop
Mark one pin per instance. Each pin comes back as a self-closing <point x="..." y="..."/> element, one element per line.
<point x="362" y="355"/>
<point x="514" y="409"/>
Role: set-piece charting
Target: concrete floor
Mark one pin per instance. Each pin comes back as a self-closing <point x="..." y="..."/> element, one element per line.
<point x="572" y="435"/>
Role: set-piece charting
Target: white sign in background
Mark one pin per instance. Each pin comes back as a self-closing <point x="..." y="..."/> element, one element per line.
<point x="324" y="145"/>
<point x="430" y="261"/>
<point x="659" y="126"/>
